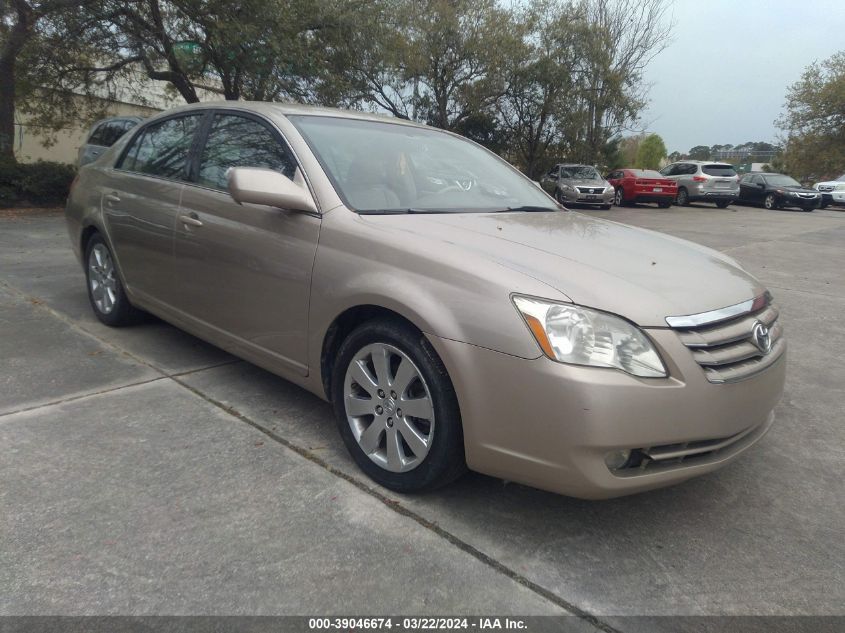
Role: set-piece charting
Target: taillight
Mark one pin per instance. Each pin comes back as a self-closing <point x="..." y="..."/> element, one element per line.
<point x="699" y="179"/>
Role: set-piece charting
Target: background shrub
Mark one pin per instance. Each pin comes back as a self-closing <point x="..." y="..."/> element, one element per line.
<point x="39" y="183"/>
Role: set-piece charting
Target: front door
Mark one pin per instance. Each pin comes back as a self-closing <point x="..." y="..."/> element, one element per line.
<point x="245" y="270"/>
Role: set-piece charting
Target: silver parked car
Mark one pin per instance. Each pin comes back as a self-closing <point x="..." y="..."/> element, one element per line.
<point x="578" y="184"/>
<point x="700" y="180"/>
<point x="451" y="324"/>
<point x="104" y="134"/>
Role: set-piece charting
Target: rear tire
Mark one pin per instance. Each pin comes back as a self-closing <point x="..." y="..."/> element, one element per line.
<point x="723" y="204"/>
<point x="683" y="197"/>
<point x="105" y="288"/>
<point x="665" y="204"/>
<point x="381" y="367"/>
<point x="619" y="197"/>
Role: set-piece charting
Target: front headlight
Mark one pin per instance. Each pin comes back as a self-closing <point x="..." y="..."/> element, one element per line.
<point x="567" y="187"/>
<point x="792" y="194"/>
<point x="571" y="334"/>
<point x="839" y="187"/>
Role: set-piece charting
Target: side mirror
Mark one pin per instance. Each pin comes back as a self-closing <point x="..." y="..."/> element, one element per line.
<point x="264" y="186"/>
<point x="761" y="185"/>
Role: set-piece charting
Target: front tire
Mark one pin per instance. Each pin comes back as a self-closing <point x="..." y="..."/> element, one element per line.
<point x="105" y="289"/>
<point x="723" y="204"/>
<point x="606" y="207"/>
<point x="396" y="408"/>
<point x="771" y="202"/>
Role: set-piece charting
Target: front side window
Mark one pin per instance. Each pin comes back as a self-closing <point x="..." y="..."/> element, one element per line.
<point x="384" y="167"/>
<point x="238" y="141"/>
<point x="161" y="149"/>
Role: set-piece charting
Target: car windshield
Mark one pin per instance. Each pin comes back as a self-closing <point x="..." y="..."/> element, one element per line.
<point x="779" y="180"/>
<point x="385" y="167"/>
<point x="579" y="172"/>
<point x="842" y="177"/>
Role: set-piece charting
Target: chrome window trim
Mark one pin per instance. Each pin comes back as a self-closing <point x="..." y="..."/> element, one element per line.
<point x="721" y="314"/>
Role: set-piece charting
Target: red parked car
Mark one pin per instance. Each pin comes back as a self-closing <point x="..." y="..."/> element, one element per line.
<point x="642" y="185"/>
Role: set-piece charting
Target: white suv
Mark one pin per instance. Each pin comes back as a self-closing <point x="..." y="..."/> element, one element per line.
<point x="833" y="191"/>
<point x="705" y="181"/>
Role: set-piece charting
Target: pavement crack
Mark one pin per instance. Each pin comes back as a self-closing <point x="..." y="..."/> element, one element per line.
<point x="397" y="507"/>
<point x="82" y="396"/>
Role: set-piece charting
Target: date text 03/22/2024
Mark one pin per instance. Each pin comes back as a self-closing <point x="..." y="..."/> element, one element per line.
<point x="416" y="624"/>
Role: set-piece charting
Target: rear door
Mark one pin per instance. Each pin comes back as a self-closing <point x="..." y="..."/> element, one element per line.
<point x="245" y="270"/>
<point x="141" y="201"/>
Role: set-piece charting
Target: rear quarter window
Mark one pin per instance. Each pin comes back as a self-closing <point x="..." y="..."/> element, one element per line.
<point x="719" y="170"/>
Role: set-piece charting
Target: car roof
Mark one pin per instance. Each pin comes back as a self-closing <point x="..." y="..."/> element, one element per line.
<point x="703" y="162"/>
<point x="285" y="109"/>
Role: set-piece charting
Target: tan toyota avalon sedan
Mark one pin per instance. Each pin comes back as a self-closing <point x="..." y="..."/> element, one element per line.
<point x="451" y="311"/>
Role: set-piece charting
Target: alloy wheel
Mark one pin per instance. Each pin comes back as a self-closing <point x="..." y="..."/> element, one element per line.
<point x="618" y="198"/>
<point x="102" y="278"/>
<point x="388" y="407"/>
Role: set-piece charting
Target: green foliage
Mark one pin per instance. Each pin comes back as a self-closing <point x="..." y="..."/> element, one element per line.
<point x="39" y="183"/>
<point x="651" y="152"/>
<point x="814" y="121"/>
<point x="699" y="152"/>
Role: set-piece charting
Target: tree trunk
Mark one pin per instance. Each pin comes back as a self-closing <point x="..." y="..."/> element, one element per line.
<point x="18" y="35"/>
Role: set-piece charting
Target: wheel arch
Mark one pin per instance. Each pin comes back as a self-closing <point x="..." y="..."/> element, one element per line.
<point x="342" y="326"/>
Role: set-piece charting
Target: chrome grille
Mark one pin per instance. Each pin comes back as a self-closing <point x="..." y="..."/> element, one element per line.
<point x="726" y="350"/>
<point x="591" y="189"/>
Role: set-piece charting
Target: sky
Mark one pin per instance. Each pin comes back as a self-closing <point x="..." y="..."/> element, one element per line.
<point x="724" y="77"/>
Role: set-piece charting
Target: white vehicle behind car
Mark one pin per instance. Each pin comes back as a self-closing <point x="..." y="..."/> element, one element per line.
<point x="833" y="191"/>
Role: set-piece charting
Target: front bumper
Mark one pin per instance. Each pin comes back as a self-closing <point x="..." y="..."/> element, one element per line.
<point x="550" y="425"/>
<point x="834" y="197"/>
<point x="576" y="197"/>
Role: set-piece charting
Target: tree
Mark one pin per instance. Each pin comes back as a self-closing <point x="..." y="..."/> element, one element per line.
<point x="814" y="121"/>
<point x="700" y="152"/>
<point x="674" y="157"/>
<point x="18" y="22"/>
<point x="651" y="152"/>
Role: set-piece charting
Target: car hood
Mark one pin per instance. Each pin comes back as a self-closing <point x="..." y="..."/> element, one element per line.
<point x="796" y="189"/>
<point x="642" y="275"/>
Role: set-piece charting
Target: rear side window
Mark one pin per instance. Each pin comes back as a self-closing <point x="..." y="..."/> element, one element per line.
<point x="162" y="149"/>
<point x="238" y="141"/>
<point x="719" y="170"/>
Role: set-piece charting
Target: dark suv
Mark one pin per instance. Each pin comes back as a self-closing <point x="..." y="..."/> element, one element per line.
<point x="103" y="135"/>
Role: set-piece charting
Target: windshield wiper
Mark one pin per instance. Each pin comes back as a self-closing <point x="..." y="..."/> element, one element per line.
<point x="529" y="209"/>
<point x="404" y="211"/>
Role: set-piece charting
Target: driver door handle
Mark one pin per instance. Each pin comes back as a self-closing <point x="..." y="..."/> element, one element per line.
<point x="190" y="219"/>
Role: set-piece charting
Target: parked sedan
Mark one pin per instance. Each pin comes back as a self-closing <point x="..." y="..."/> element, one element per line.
<point x="578" y="184"/>
<point x="775" y="191"/>
<point x="478" y="326"/>
<point x="642" y="185"/>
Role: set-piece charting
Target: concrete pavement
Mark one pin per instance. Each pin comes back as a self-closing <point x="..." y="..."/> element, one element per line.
<point x="145" y="471"/>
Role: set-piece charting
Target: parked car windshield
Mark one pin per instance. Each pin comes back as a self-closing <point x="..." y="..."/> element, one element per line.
<point x="580" y="172"/>
<point x="779" y="180"/>
<point x="384" y="167"/>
